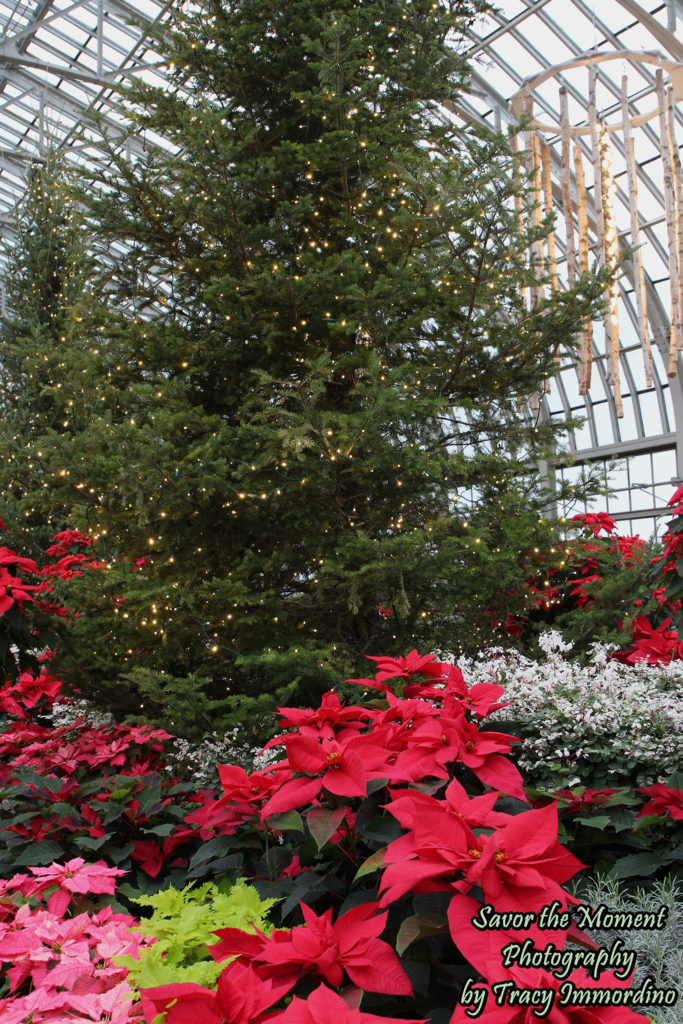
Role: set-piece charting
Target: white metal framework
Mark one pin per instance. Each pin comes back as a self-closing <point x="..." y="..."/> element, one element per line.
<point x="58" y="57"/>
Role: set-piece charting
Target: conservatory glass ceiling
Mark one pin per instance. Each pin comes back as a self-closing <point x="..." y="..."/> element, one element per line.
<point x="58" y="57"/>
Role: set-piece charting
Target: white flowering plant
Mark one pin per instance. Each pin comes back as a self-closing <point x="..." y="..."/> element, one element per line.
<point x="601" y="723"/>
<point x="600" y="738"/>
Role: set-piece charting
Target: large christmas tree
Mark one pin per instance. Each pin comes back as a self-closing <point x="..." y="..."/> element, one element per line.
<point x="304" y="411"/>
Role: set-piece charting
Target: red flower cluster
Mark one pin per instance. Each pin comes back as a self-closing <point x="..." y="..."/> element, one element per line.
<point x="350" y="945"/>
<point x="656" y="645"/>
<point x="18" y="698"/>
<point x="665" y="800"/>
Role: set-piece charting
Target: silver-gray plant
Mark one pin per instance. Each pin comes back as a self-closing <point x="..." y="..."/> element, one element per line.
<point x="659" y="953"/>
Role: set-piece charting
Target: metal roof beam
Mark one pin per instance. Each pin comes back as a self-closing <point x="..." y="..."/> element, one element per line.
<point x="661" y="34"/>
<point x="505" y="26"/>
<point x="43" y="18"/>
<point x="13" y="58"/>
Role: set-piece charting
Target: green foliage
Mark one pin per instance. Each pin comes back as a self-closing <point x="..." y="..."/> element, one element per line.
<point x="613" y="841"/>
<point x="304" y="402"/>
<point x="667" y="572"/>
<point x="50" y="359"/>
<point x="183" y="922"/>
<point x="621" y="593"/>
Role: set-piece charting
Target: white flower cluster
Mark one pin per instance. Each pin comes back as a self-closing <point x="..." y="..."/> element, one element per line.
<point x="66" y="712"/>
<point x="599" y="724"/>
<point x="200" y="760"/>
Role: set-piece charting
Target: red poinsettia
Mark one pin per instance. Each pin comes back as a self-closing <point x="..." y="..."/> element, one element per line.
<point x="482" y="753"/>
<point x="329" y="719"/>
<point x="324" y="1006"/>
<point x="657" y="645"/>
<point x="520" y="866"/>
<point x="334" y="766"/>
<point x="241" y="997"/>
<point x="595" y="522"/>
<point x="665" y="800"/>
<point x="400" y="668"/>
<point x="351" y="944"/>
<point x="13" y="590"/>
<point x="9" y="557"/>
<point x="18" y="698"/>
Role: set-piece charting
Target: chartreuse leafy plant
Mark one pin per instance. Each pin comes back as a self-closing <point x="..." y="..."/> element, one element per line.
<point x="182" y="922"/>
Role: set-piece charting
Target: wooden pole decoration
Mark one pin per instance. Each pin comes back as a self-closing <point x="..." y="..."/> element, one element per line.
<point x="514" y="145"/>
<point x="586" y="343"/>
<point x="567" y="187"/>
<point x="638" y="273"/>
<point x="670" y="209"/>
<point x="678" y="202"/>
<point x="622" y="118"/>
<point x="533" y="159"/>
<point x="611" y="242"/>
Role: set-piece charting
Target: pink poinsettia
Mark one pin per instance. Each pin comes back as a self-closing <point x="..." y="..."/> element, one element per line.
<point x="68" y="963"/>
<point x="75" y="877"/>
<point x="41" y="1005"/>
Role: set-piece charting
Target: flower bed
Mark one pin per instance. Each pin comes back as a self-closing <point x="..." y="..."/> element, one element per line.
<point x="382" y="832"/>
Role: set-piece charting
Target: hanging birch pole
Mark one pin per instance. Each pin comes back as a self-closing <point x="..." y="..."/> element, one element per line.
<point x="611" y="261"/>
<point x="534" y="169"/>
<point x="678" y="201"/>
<point x="638" y="274"/>
<point x="586" y="345"/>
<point x="597" y="203"/>
<point x="514" y="145"/>
<point x="567" y="186"/>
<point x="599" y="154"/>
<point x="669" y="206"/>
<point x="547" y="209"/>
<point x="552" y="255"/>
